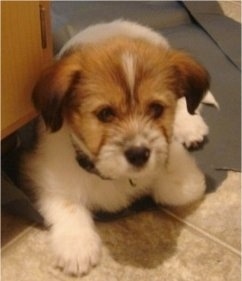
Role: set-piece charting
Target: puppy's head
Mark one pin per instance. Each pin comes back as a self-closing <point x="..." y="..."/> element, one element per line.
<point x="119" y="98"/>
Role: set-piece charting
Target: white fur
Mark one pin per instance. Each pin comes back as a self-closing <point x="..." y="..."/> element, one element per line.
<point x="129" y="66"/>
<point x="67" y="192"/>
<point x="195" y="129"/>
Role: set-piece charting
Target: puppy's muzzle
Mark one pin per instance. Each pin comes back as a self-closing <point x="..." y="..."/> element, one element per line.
<point x="137" y="155"/>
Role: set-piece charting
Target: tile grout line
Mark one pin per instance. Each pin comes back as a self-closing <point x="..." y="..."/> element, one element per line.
<point x="204" y="233"/>
<point x="16" y="238"/>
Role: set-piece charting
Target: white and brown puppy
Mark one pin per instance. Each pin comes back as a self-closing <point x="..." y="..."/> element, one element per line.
<point x="110" y="106"/>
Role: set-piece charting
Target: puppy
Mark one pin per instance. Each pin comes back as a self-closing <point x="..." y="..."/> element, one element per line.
<point x="113" y="108"/>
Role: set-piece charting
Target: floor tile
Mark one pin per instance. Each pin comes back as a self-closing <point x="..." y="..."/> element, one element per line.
<point x="147" y="246"/>
<point x="220" y="212"/>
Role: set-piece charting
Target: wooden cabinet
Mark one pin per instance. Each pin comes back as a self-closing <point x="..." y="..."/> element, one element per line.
<point x="26" y="50"/>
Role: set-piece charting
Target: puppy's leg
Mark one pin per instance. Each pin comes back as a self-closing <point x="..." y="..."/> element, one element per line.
<point x="189" y="130"/>
<point x="181" y="182"/>
<point x="73" y="239"/>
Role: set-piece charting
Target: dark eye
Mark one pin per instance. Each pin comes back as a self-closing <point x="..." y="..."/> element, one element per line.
<point x="156" y="110"/>
<point x="106" y="114"/>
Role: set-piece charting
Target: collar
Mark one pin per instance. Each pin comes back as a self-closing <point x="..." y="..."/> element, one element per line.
<point x="83" y="159"/>
<point x="87" y="164"/>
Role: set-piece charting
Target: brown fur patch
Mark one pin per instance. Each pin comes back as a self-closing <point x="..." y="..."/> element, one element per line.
<point x="93" y="77"/>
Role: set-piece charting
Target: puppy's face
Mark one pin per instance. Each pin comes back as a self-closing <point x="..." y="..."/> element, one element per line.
<point x="119" y="99"/>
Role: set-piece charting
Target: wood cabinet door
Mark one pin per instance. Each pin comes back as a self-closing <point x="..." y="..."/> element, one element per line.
<point x="23" y="57"/>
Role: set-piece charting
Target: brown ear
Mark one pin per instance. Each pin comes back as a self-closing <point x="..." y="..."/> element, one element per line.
<point x="191" y="79"/>
<point x="52" y="93"/>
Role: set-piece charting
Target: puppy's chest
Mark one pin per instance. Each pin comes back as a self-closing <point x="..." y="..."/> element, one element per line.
<point x="127" y="186"/>
<point x="134" y="186"/>
<point x="113" y="195"/>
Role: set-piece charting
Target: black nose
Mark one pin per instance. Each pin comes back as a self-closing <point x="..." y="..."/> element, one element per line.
<point x="137" y="155"/>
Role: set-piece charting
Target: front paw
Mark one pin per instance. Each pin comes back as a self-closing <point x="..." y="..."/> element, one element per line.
<point x="76" y="251"/>
<point x="182" y="182"/>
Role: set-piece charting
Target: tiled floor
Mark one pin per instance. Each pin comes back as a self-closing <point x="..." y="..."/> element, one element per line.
<point x="192" y="244"/>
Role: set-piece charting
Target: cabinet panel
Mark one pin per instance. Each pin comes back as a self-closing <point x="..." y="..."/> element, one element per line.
<point x="23" y="58"/>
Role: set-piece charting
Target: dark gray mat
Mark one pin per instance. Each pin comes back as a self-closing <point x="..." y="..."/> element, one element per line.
<point x="69" y="17"/>
<point x="223" y="30"/>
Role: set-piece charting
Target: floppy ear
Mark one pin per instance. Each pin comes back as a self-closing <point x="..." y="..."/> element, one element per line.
<point x="191" y="79"/>
<point x="53" y="92"/>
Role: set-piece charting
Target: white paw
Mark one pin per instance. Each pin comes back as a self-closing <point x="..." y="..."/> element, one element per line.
<point x="76" y="252"/>
<point x="182" y="182"/>
<point x="180" y="192"/>
<point x="192" y="132"/>
<point x="189" y="130"/>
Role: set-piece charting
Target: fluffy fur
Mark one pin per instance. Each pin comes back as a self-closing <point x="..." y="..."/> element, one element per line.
<point x="119" y="94"/>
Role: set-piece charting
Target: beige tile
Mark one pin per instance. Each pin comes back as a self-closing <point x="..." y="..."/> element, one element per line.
<point x="231" y="9"/>
<point x="147" y="246"/>
<point x="220" y="212"/>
